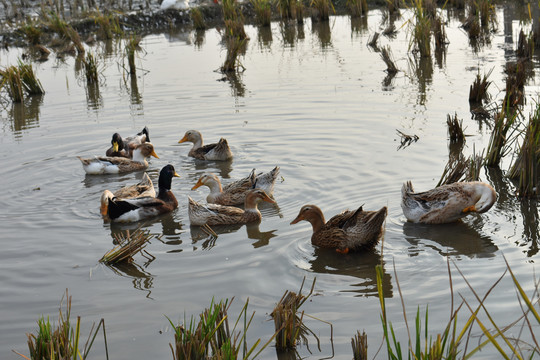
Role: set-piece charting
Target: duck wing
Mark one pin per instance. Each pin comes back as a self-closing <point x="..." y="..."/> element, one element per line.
<point x="267" y="180"/>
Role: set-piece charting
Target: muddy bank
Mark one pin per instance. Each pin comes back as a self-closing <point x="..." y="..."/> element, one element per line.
<point x="140" y="17"/>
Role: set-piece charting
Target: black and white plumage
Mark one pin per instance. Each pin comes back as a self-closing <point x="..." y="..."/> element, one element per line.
<point x="124" y="147"/>
<point x="132" y="210"/>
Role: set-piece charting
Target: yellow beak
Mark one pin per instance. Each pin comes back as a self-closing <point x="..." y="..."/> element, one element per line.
<point x="153" y="153"/>
<point x="298" y="219"/>
<point x="469" y="209"/>
<point x="197" y="185"/>
<point x="115" y="146"/>
<point x="175" y="174"/>
<point x="184" y="139"/>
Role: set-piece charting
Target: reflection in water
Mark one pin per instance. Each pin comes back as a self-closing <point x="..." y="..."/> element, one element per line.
<point x="223" y="168"/>
<point x="25" y="114"/>
<point x="457" y="238"/>
<point x="264" y="37"/>
<point x="135" y="96"/>
<point x="359" y="25"/>
<point x="422" y="68"/>
<point x="322" y="30"/>
<point x="359" y="265"/>
<point x="199" y="38"/>
<point x="529" y="210"/>
<point x="93" y="96"/>
<point x="141" y="279"/>
<point x="209" y="241"/>
<point x="291" y="32"/>
<point x="234" y="78"/>
<point x="387" y="83"/>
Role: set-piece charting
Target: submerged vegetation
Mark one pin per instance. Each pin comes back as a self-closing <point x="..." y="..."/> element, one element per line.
<point x="18" y="81"/>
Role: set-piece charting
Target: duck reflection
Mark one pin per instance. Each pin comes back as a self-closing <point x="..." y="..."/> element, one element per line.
<point x="360" y="265"/>
<point x="208" y="237"/>
<point x="458" y="238"/>
<point x="223" y="168"/>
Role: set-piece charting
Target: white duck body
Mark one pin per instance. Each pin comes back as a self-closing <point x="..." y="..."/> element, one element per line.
<point x="114" y="165"/>
<point x="447" y="203"/>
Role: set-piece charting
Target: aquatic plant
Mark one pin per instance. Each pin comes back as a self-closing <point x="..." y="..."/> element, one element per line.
<point x="421" y="30"/>
<point x="91" y="69"/>
<point x="360" y="345"/>
<point x="498" y="142"/>
<point x="60" y="26"/>
<point x="439" y="34"/>
<point x="475" y="163"/>
<point x="109" y="25"/>
<point x="287" y="8"/>
<point x="321" y="9"/>
<point x="288" y="323"/>
<point x="525" y="48"/>
<point x="211" y="336"/>
<point x="357" y="7"/>
<point x="31" y="32"/>
<point x="20" y="80"/>
<point x="441" y="346"/>
<point x="478" y="91"/>
<point x="128" y="246"/>
<point x="234" y="20"/>
<point x="386" y="55"/>
<point x="63" y="341"/>
<point x="455" y="129"/>
<point x="373" y="40"/>
<point x="234" y="48"/>
<point x="525" y="165"/>
<point x="515" y="84"/>
<point x="392" y="6"/>
<point x="263" y="11"/>
<point x="197" y="18"/>
<point x="132" y="46"/>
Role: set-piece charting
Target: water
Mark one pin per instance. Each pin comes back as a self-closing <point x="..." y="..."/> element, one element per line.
<point x="314" y="100"/>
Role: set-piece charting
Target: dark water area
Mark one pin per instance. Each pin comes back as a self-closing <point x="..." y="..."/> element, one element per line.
<point x="316" y="101"/>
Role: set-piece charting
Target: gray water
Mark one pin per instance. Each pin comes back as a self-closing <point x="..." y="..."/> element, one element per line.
<point x="313" y="100"/>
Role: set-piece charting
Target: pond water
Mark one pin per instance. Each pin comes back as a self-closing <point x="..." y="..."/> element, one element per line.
<point x="314" y="100"/>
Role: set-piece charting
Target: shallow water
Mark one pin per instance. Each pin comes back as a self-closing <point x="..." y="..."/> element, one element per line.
<point x="314" y="100"/>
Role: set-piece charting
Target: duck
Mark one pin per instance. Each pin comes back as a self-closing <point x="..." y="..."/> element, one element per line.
<point x="124" y="147"/>
<point x="174" y="4"/>
<point x="115" y="164"/>
<point x="145" y="188"/>
<point x="349" y="231"/>
<point x="446" y="203"/>
<point x="219" y="151"/>
<point x="235" y="193"/>
<point x="214" y="214"/>
<point x="141" y="208"/>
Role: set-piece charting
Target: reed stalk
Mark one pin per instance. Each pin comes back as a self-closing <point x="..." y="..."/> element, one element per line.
<point x="91" y="69"/>
<point x="287" y="9"/>
<point x="234" y="48"/>
<point x="60" y="26"/>
<point x="263" y="11"/>
<point x="498" y="142"/>
<point x="421" y="33"/>
<point x="525" y="166"/>
<point x="478" y="91"/>
<point x="455" y="129"/>
<point x="31" y="32"/>
<point x="357" y="7"/>
<point x="109" y="25"/>
<point x="360" y="345"/>
<point x="321" y="9"/>
<point x="288" y="321"/>
<point x="20" y="80"/>
<point x="128" y="246"/>
<point x="198" y="19"/>
<point x="132" y="46"/>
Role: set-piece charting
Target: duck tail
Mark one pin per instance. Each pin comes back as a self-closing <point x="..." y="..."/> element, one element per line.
<point x="119" y="207"/>
<point x="407" y="189"/>
<point x="146" y="132"/>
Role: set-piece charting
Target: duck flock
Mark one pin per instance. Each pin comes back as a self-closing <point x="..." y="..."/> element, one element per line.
<point x="351" y="230"/>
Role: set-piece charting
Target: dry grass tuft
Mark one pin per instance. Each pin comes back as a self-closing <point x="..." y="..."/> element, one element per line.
<point x="478" y="91"/>
<point x="198" y="19"/>
<point x="360" y="345"/>
<point x="128" y="246"/>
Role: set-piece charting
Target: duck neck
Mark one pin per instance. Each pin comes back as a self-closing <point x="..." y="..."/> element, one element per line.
<point x="215" y="187"/>
<point x="250" y="203"/>
<point x="316" y="219"/>
<point x="197" y="143"/>
<point x="138" y="156"/>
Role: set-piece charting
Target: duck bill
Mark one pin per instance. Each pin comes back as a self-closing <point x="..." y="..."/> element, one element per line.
<point x="298" y="219"/>
<point x="176" y="174"/>
<point x="184" y="139"/>
<point x="469" y="209"/>
<point x="153" y="153"/>
<point x="197" y="185"/>
<point x="269" y="199"/>
<point x="115" y="146"/>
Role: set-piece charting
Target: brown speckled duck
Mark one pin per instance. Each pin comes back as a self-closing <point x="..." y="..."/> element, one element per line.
<point x="348" y="231"/>
<point x="218" y="151"/>
<point x="213" y="214"/>
<point x="235" y="193"/>
<point x="446" y="203"/>
<point x="131" y="210"/>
